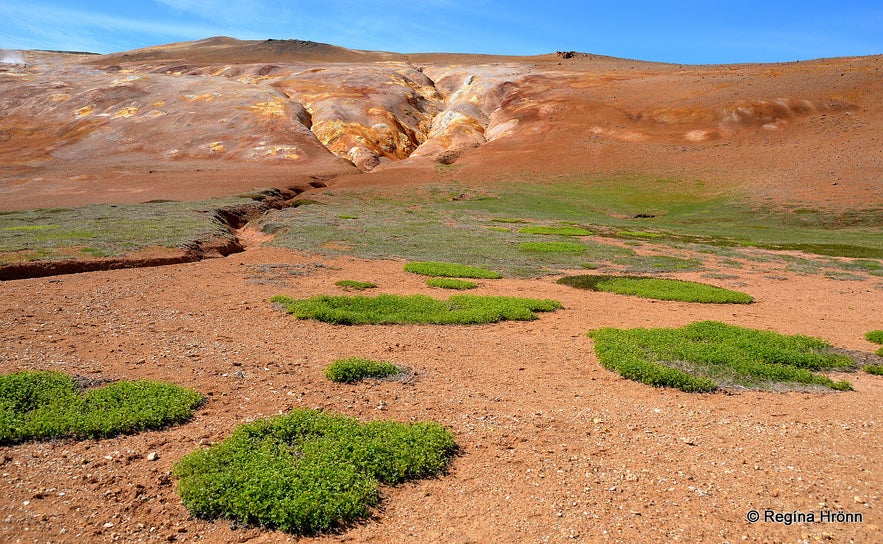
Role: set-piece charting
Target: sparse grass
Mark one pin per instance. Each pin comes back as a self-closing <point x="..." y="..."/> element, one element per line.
<point x="355" y="285"/>
<point x="844" y="276"/>
<point x="688" y="211"/>
<point x="451" y="283"/>
<point x="47" y="405"/>
<point x="862" y="265"/>
<point x="834" y="250"/>
<point x="658" y="288"/>
<point x="433" y="225"/>
<point x="876" y="370"/>
<point x="94" y="252"/>
<point x="356" y="369"/>
<point x="800" y="265"/>
<point x="639" y="234"/>
<point x="552" y="247"/>
<point x="450" y="270"/>
<point x="415" y="309"/>
<point x="559" y="231"/>
<point x="108" y="230"/>
<point x="308" y="471"/>
<point x="719" y="276"/>
<point x="657" y="263"/>
<point x="706" y="355"/>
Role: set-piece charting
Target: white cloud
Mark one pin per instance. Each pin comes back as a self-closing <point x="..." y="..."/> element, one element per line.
<point x="35" y="26"/>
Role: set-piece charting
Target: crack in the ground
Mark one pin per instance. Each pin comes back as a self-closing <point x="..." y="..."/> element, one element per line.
<point x="235" y="218"/>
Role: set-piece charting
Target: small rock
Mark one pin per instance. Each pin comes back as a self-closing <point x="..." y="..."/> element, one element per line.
<point x="152" y="456"/>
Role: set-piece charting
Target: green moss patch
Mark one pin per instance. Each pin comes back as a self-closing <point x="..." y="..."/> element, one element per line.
<point x="450" y="270"/>
<point x="46" y="405"/>
<point x="308" y="471"/>
<point x="414" y="309"/>
<point x="658" y="288"/>
<point x="877" y="370"/>
<point x="638" y="234"/>
<point x="356" y="369"/>
<point x="552" y="247"/>
<point x="559" y="231"/>
<point x="508" y="220"/>
<point x="706" y="355"/>
<point x="657" y="263"/>
<point x="451" y="283"/>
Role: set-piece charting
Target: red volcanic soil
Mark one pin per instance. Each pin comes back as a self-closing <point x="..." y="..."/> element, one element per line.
<point x="553" y="447"/>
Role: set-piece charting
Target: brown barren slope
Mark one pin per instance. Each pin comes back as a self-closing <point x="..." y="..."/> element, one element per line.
<point x="553" y="447"/>
<point x="220" y="116"/>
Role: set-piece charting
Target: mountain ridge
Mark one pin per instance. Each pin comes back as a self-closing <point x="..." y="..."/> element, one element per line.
<point x="250" y="112"/>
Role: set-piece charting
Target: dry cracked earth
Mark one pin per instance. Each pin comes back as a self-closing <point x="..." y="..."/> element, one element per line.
<point x="553" y="448"/>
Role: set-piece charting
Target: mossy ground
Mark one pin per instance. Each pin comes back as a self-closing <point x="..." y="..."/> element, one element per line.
<point x="46" y="405"/>
<point x="676" y="224"/>
<point x="415" y="309"/>
<point x="308" y="471"/>
<point x="658" y="288"/>
<point x="706" y="355"/>
<point x="356" y="369"/>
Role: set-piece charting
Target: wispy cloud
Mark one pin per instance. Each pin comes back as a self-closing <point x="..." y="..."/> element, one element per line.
<point x="51" y="27"/>
<point x="273" y="12"/>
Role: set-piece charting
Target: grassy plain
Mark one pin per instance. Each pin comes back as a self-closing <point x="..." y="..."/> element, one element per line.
<point x="628" y="224"/>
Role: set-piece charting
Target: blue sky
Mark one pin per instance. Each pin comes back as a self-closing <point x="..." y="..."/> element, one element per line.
<point x="690" y="32"/>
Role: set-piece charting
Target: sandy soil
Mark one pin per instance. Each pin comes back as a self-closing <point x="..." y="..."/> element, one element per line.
<point x="554" y="448"/>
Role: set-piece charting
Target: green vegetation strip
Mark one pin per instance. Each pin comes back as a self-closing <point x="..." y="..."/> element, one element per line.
<point x="706" y="355"/>
<point x="308" y="471"/>
<point x="46" y="405"/>
<point x="450" y="270"/>
<point x="658" y="288"/>
<point x="356" y="369"/>
<point x="874" y="369"/>
<point x="415" y="309"/>
<point x="560" y="231"/>
<point x="551" y="247"/>
<point x="667" y="217"/>
<point x="105" y="230"/>
<point x="877" y="338"/>
<point x="451" y="283"/>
